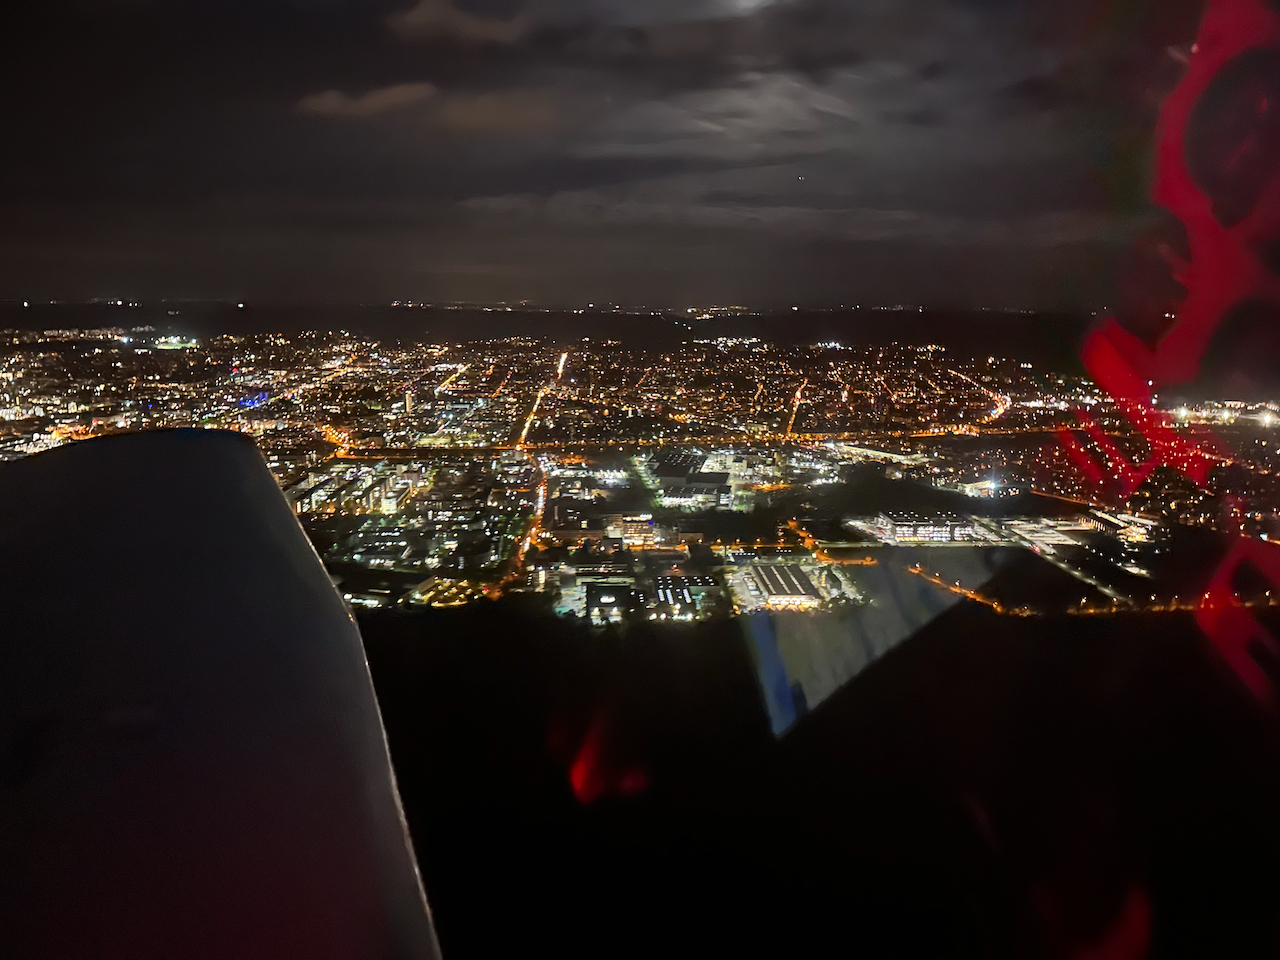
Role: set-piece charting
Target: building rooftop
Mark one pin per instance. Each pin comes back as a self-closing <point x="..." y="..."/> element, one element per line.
<point x="906" y="516"/>
<point x="784" y="580"/>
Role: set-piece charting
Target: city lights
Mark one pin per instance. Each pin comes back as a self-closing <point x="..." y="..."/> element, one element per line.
<point x="448" y="471"/>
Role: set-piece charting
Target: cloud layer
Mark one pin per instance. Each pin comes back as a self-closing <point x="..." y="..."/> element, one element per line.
<point x="335" y="103"/>
<point x="527" y="148"/>
<point x="443" y="19"/>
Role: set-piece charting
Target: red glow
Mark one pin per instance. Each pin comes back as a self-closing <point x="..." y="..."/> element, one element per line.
<point x="593" y="777"/>
<point x="583" y="776"/>
<point x="1132" y="396"/>
<point x="1129" y="938"/>
<point x="1232" y="627"/>
<point x="1223" y="272"/>
<point x="1088" y="466"/>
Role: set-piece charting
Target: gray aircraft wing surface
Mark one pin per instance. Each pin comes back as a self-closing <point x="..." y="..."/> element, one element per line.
<point x="192" y="763"/>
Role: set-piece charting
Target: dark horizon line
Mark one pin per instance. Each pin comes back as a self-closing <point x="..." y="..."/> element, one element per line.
<point x="535" y="306"/>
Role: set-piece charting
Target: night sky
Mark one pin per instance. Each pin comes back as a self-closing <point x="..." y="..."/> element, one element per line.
<point x="659" y="152"/>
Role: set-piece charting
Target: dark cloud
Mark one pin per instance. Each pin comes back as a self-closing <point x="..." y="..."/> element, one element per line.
<point x="519" y="111"/>
<point x="1034" y="93"/>
<point x="372" y="103"/>
<point x="919" y="117"/>
<point x="448" y="20"/>
<point x="487" y="139"/>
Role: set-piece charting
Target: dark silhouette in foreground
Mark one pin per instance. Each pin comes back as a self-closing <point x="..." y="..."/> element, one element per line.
<point x="994" y="787"/>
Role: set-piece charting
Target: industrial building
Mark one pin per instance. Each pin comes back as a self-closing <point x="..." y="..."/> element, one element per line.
<point x="682" y="484"/>
<point x="918" y="528"/>
<point x="785" y="586"/>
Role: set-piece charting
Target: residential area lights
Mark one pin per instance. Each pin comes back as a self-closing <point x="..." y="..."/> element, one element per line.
<point x="477" y="465"/>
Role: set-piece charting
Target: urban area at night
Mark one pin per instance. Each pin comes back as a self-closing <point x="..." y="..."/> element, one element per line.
<point x="721" y="476"/>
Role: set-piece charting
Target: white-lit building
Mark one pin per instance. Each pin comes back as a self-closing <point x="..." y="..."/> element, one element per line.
<point x="785" y="586"/>
<point x="920" y="528"/>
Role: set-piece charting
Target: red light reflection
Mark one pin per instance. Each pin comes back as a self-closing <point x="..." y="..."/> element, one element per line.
<point x="593" y="776"/>
<point x="1217" y="158"/>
